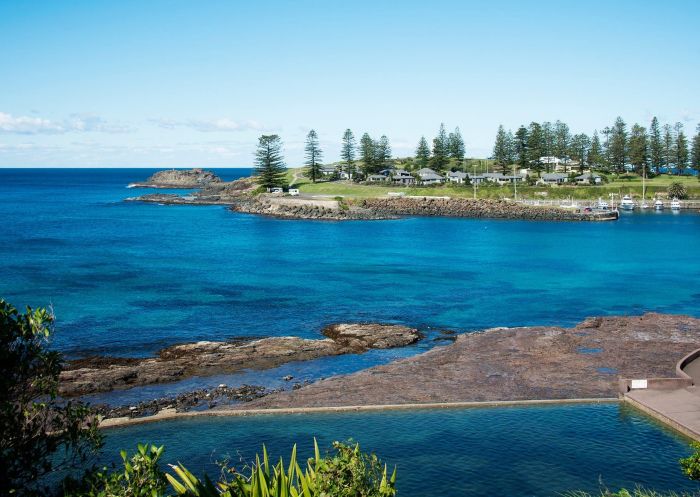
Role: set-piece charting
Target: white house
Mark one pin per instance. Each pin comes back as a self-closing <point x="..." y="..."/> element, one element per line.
<point x="552" y="161"/>
<point x="402" y="177"/>
<point x="377" y="178"/>
<point x="585" y="179"/>
<point x="494" y="177"/>
<point x="457" y="177"/>
<point x="477" y="179"/>
<point x="429" y="177"/>
<point x="328" y="170"/>
<point x="554" y="178"/>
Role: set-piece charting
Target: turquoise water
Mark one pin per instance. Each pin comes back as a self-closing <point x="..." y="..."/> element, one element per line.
<point x="515" y="451"/>
<point x="128" y="279"/>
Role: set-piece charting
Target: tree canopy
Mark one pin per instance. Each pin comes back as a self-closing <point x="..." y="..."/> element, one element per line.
<point x="269" y="162"/>
<point x="313" y="153"/>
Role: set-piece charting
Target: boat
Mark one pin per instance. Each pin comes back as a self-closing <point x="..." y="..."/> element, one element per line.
<point x="602" y="205"/>
<point x="644" y="205"/>
<point x="658" y="205"/>
<point x="627" y="203"/>
<point x="675" y="204"/>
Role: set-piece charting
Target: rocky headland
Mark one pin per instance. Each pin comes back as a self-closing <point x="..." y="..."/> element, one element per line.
<point x="179" y="178"/>
<point x="101" y="374"/>
<point x="504" y="364"/>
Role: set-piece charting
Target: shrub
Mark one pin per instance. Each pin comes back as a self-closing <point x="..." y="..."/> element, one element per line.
<point x="40" y="434"/>
<point x="677" y="190"/>
<point x="349" y="473"/>
<point x="141" y="477"/>
<point x="691" y="464"/>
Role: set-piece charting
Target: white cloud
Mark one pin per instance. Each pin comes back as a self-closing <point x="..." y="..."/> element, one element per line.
<point x="224" y="124"/>
<point x="25" y="125"/>
<point x="91" y="122"/>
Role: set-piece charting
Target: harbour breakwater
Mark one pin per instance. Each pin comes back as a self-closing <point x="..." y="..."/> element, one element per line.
<point x="478" y="208"/>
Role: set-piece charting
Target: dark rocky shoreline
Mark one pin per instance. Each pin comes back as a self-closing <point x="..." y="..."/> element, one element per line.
<point x="207" y="398"/>
<point x="102" y="374"/>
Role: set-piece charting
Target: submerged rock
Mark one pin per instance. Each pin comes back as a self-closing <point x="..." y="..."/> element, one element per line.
<point x="222" y="395"/>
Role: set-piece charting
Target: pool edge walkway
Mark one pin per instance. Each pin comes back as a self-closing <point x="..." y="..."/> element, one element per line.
<point x="170" y="414"/>
<point x="678" y="409"/>
<point x="674" y="402"/>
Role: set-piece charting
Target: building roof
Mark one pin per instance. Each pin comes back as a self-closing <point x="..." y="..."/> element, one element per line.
<point x="554" y="176"/>
<point x="588" y="175"/>
<point x="457" y="174"/>
<point x="430" y="176"/>
<point x="402" y="173"/>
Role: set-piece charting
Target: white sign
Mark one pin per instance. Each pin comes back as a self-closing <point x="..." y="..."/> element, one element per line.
<point x="638" y="384"/>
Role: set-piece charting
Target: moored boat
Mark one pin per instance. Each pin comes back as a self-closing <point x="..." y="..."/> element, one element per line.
<point x="658" y="205"/>
<point x="627" y="203"/>
<point x="675" y="204"/>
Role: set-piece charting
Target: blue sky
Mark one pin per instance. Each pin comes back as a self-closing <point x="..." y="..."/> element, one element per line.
<point x="184" y="83"/>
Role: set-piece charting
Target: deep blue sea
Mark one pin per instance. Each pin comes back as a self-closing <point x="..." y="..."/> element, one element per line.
<point x="129" y="278"/>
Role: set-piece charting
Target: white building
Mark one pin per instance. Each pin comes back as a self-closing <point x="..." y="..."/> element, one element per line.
<point x="429" y="177"/>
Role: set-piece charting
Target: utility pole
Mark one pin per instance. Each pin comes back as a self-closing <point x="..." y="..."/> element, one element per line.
<point x="515" y="184"/>
<point x="474" y="181"/>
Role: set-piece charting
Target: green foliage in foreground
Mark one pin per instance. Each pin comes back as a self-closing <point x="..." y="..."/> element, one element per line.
<point x="691" y="464"/>
<point x="39" y="434"/>
<point x="348" y="472"/>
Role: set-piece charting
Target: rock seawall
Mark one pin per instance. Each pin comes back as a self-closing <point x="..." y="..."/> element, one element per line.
<point x="473" y="208"/>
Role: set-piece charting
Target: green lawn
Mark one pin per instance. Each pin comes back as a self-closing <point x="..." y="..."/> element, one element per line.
<point x="623" y="185"/>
